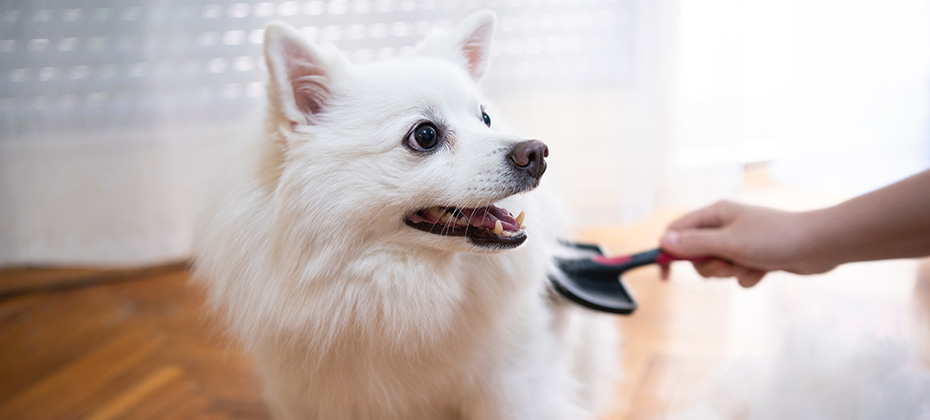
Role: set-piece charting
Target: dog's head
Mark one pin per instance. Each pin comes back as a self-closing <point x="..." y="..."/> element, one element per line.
<point x="403" y="148"/>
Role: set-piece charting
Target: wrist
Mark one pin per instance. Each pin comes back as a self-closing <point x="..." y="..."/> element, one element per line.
<point x="818" y="239"/>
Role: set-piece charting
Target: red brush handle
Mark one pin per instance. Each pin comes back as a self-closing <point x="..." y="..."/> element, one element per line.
<point x="665" y="259"/>
<point x="603" y="259"/>
<point x="654" y="256"/>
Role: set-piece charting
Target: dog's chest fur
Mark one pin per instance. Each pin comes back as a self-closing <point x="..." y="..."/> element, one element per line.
<point x="391" y="331"/>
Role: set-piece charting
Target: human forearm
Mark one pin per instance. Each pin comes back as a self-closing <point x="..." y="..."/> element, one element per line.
<point x="749" y="241"/>
<point x="892" y="222"/>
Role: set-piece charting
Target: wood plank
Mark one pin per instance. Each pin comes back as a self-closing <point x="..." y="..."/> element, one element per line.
<point x="72" y="386"/>
<point x="19" y="281"/>
<point x="136" y="394"/>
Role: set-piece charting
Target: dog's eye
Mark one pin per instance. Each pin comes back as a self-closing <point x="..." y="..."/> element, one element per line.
<point x="486" y="118"/>
<point x="424" y="137"/>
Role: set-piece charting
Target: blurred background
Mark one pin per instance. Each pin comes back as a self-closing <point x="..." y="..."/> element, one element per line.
<point x="113" y="115"/>
<point x="111" y="112"/>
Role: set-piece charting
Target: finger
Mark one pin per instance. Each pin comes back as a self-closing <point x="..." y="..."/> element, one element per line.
<point x="690" y="243"/>
<point x="715" y="215"/>
<point x="751" y="278"/>
<point x="715" y="268"/>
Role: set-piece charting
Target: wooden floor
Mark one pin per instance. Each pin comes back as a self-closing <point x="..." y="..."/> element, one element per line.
<point x="139" y="349"/>
<point x="143" y="349"/>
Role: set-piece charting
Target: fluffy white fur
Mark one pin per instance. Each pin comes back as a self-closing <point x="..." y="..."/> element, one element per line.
<point x="348" y="312"/>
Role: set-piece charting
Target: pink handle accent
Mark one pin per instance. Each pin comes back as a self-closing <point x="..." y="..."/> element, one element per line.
<point x="666" y="259"/>
<point x="600" y="259"/>
<point x="662" y="259"/>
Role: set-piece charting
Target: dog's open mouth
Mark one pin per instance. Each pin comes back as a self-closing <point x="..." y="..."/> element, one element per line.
<point x="490" y="226"/>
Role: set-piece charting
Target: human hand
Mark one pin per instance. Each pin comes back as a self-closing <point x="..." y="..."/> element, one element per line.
<point x="747" y="242"/>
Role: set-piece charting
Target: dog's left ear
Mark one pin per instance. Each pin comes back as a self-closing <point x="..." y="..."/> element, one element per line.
<point x="470" y="43"/>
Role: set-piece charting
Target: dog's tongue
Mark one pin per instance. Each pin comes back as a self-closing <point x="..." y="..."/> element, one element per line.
<point x="488" y="216"/>
<point x="485" y="217"/>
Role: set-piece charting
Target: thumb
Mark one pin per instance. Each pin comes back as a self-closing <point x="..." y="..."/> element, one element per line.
<point x="690" y="243"/>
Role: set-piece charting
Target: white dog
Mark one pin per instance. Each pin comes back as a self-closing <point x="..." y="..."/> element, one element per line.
<point x="363" y="254"/>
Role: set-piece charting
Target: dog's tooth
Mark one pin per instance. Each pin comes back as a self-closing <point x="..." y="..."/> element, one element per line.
<point x="498" y="228"/>
<point x="446" y="217"/>
<point x="461" y="221"/>
<point x="435" y="212"/>
<point x="520" y="218"/>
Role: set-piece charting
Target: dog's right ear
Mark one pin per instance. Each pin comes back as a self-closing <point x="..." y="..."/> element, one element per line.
<point x="299" y="74"/>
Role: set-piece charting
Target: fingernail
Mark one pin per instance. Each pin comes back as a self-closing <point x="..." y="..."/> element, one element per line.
<point x="670" y="238"/>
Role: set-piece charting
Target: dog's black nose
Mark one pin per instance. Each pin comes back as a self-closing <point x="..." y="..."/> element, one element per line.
<point x="530" y="156"/>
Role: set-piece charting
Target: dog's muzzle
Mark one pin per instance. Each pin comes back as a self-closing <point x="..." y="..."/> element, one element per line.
<point x="489" y="226"/>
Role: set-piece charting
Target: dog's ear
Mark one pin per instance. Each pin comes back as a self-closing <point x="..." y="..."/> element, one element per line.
<point x="299" y="74"/>
<point x="470" y="43"/>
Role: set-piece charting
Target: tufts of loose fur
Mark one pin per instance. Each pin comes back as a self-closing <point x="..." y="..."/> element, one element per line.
<point x="348" y="312"/>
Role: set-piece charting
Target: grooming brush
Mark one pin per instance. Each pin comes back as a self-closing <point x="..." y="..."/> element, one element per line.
<point x="596" y="281"/>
